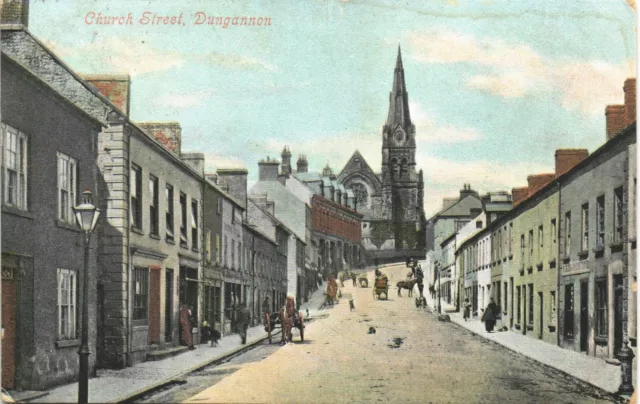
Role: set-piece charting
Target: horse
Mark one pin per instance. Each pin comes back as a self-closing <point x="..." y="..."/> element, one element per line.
<point x="406" y="285"/>
<point x="290" y="318"/>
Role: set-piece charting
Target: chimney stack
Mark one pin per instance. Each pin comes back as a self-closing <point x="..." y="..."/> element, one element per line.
<point x="268" y="170"/>
<point x="519" y="194"/>
<point x="538" y="181"/>
<point x="235" y="181"/>
<point x="629" y="101"/>
<point x="213" y="177"/>
<point x="566" y="159"/>
<point x="167" y="133"/>
<point x="15" y="13"/>
<point x="615" y="115"/>
<point x="194" y="160"/>
<point x="115" y="87"/>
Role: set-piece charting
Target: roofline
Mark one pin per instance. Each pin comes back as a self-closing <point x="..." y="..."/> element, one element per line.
<point x="253" y="229"/>
<point x="106" y="101"/>
<point x="43" y="83"/>
<point x="217" y="188"/>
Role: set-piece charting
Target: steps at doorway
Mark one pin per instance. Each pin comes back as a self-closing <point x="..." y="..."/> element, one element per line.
<point x="159" y="354"/>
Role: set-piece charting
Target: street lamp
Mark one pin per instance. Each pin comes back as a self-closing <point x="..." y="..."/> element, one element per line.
<point x="87" y="216"/>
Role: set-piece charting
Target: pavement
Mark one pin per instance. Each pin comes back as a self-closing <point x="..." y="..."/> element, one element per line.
<point x="114" y="386"/>
<point x="589" y="369"/>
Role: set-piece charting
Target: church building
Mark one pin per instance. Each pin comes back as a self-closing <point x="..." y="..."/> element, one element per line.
<point x="391" y="201"/>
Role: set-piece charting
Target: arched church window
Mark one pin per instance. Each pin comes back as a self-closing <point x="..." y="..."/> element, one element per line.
<point x="360" y="193"/>
<point x="394" y="167"/>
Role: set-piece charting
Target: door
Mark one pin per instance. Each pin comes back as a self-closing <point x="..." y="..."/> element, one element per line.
<point x="541" y="316"/>
<point x="512" y="306"/>
<point x="584" y="316"/>
<point x="154" y="305"/>
<point x="524" y="311"/>
<point x="9" y="318"/>
<point x="168" y="306"/>
<point x="617" y="319"/>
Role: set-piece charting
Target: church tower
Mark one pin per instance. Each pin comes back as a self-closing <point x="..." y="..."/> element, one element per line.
<point x="400" y="181"/>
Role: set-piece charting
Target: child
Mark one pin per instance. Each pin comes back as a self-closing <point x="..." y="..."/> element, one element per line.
<point x="467" y="309"/>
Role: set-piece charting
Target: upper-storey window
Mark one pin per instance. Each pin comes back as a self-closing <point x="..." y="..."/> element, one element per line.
<point x="14" y="167"/>
<point x="67" y="187"/>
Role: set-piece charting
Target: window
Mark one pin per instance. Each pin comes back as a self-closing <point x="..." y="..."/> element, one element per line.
<point x="552" y="308"/>
<point x="169" y="212"/>
<point x="568" y="311"/>
<point x="600" y="221"/>
<point x="530" y="244"/>
<point x="233" y="254"/>
<point x="140" y="292"/>
<point x="518" y="308"/>
<point x="136" y="196"/>
<point x="541" y="235"/>
<point x="617" y="218"/>
<point x="14" y="168"/>
<point x="510" y="240"/>
<point x="225" y="253"/>
<point x="602" y="321"/>
<point x="233" y="214"/>
<point x="585" y="227"/>
<point x="153" y="205"/>
<point x="67" y="187"/>
<point x="530" y="316"/>
<point x="219" y="205"/>
<point x="553" y="230"/>
<point x="194" y="225"/>
<point x="506" y="304"/>
<point x="567" y="234"/>
<point x="240" y="266"/>
<point x="218" y="249"/>
<point x="67" y="315"/>
<point x="183" y="220"/>
<point x="207" y="245"/>
<point x="522" y="248"/>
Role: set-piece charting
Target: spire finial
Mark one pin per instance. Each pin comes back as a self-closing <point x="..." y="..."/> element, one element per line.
<point x="399" y="59"/>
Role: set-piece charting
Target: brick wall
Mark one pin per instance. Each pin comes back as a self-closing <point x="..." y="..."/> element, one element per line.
<point x="116" y="88"/>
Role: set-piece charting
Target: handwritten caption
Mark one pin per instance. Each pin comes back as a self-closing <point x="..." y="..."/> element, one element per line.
<point x="197" y="18"/>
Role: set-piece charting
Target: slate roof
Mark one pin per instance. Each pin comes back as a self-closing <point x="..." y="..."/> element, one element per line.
<point x="309" y="176"/>
<point x="289" y="210"/>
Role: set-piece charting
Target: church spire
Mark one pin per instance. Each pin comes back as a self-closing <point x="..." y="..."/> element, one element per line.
<point x="398" y="99"/>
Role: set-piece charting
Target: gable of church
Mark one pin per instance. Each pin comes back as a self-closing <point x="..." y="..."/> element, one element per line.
<point x="357" y="166"/>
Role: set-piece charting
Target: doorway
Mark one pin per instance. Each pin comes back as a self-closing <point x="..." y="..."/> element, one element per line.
<point x="584" y="316"/>
<point x="9" y="320"/>
<point x="541" y="332"/>
<point x="617" y="310"/>
<point x="168" y="306"/>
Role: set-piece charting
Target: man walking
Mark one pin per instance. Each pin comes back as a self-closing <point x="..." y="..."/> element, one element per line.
<point x="242" y="321"/>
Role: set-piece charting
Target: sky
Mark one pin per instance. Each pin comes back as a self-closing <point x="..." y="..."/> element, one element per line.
<point x="495" y="87"/>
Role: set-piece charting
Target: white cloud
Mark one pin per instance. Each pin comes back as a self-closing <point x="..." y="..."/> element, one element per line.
<point x="213" y="161"/>
<point x="183" y="100"/>
<point x="516" y="70"/>
<point x="428" y="131"/>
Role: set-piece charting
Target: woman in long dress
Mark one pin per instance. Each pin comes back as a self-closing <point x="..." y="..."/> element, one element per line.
<point x="490" y="315"/>
<point x="185" y="324"/>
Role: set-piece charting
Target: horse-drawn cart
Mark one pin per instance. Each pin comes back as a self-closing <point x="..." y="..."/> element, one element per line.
<point x="286" y="321"/>
<point x="381" y="287"/>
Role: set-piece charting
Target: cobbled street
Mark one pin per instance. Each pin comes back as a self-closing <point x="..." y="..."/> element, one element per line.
<point x="412" y="357"/>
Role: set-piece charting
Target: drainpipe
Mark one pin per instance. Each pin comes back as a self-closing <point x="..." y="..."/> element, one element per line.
<point x="131" y="252"/>
<point x="558" y="267"/>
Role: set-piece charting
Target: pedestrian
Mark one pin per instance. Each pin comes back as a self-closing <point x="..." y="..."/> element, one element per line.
<point x="266" y="309"/>
<point x="353" y="278"/>
<point x="467" y="310"/>
<point x="490" y="315"/>
<point x="242" y="321"/>
<point x="185" y="324"/>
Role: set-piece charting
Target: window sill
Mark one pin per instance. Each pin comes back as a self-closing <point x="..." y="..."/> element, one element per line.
<point x="170" y="241"/>
<point x="67" y="343"/>
<point x="17" y="212"/>
<point x="616" y="247"/>
<point x="155" y="236"/>
<point x="137" y="230"/>
<point x="67" y="226"/>
<point x="185" y="246"/>
<point x="195" y="250"/>
<point x="601" y="340"/>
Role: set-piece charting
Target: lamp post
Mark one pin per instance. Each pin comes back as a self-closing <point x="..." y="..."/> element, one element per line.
<point x="87" y="216"/>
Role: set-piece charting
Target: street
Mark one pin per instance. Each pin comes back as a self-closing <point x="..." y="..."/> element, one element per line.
<point x="411" y="357"/>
